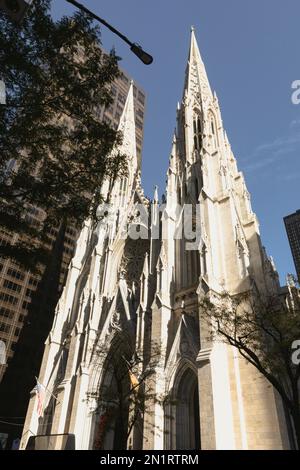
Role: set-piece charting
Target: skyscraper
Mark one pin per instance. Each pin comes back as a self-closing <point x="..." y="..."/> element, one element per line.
<point x="130" y="311"/>
<point x="292" y="226"/>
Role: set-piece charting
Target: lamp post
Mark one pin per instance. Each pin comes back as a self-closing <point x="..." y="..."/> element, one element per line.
<point x="134" y="47"/>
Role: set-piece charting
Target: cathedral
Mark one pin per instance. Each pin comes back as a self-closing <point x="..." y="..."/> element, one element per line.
<point x="128" y="363"/>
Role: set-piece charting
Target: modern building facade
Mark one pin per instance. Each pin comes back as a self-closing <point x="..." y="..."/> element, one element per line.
<point x="129" y="363"/>
<point x="292" y="226"/>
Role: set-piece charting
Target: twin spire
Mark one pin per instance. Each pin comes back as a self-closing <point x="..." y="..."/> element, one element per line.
<point x="127" y="126"/>
<point x="196" y="80"/>
<point x="196" y="84"/>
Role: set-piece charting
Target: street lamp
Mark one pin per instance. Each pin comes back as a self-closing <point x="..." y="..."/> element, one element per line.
<point x="134" y="47"/>
<point x="16" y="10"/>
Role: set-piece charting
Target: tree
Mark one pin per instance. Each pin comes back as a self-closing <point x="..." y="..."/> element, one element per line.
<point x="55" y="151"/>
<point x="266" y="334"/>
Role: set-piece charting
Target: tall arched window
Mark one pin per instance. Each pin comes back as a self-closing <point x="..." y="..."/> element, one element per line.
<point x="197" y="132"/>
<point x="213" y="132"/>
<point x="142" y="294"/>
<point x="197" y="188"/>
<point x="182" y="417"/>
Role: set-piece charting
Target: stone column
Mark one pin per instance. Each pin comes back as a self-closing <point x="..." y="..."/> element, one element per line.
<point x="206" y="406"/>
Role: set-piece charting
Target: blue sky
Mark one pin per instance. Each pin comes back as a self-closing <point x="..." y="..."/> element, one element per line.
<point x="251" y="53"/>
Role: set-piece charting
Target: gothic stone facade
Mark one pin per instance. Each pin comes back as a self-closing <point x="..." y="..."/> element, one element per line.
<point x="128" y="360"/>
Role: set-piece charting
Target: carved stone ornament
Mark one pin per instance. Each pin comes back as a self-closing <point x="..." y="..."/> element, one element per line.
<point x="115" y="322"/>
<point x="132" y="262"/>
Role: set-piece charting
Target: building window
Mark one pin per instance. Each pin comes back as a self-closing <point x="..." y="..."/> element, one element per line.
<point x="12" y="286"/>
<point x="124" y="78"/>
<point x="3" y="241"/>
<point x="141" y="97"/>
<point x="140" y="113"/>
<point x="33" y="282"/>
<point x="16" y="274"/>
<point x="139" y="124"/>
<point x="5" y="312"/>
<point x="122" y="98"/>
<point x="29" y="292"/>
<point x="4" y="327"/>
<point x="8" y="298"/>
<point x="25" y="305"/>
<point x="197" y="132"/>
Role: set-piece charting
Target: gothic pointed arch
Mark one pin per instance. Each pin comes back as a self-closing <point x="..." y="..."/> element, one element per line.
<point x="111" y="391"/>
<point x="182" y="417"/>
<point x="197" y="129"/>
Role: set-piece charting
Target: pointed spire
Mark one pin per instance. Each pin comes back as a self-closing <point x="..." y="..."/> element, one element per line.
<point x="196" y="78"/>
<point x="226" y="139"/>
<point x="174" y="145"/>
<point x="155" y="196"/>
<point x="172" y="161"/>
<point x="174" y="140"/>
<point x="162" y="258"/>
<point x="146" y="265"/>
<point x="127" y="126"/>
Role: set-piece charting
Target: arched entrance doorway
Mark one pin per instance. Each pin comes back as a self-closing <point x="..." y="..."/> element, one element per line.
<point x="187" y="412"/>
<point x="111" y="419"/>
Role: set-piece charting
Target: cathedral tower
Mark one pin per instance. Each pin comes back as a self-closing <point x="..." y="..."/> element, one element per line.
<point x="128" y="361"/>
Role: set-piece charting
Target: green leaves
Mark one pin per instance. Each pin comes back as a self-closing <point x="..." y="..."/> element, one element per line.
<point x="263" y="330"/>
<point x="54" y="150"/>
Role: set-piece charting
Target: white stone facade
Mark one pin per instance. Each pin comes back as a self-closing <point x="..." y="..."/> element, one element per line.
<point x="138" y="299"/>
